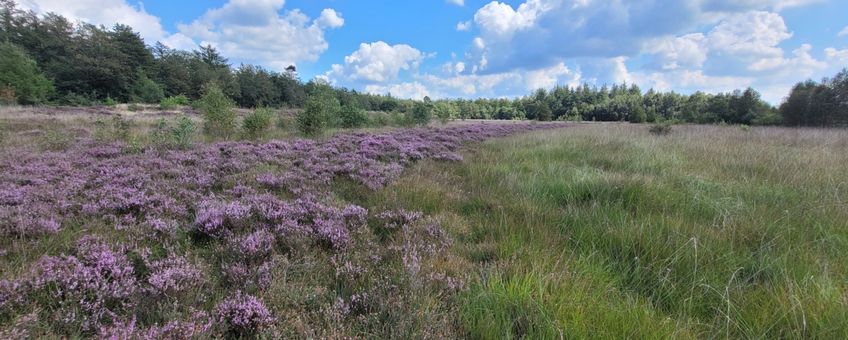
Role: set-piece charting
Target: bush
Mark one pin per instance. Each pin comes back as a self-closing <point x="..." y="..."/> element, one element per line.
<point x="217" y="110"/>
<point x="320" y="106"/>
<point x="352" y="117"/>
<point x="21" y="80"/>
<point x="183" y="134"/>
<point x="133" y="107"/>
<point x="119" y="129"/>
<point x="73" y="99"/>
<point x="109" y="102"/>
<point x="660" y="129"/>
<point x="146" y="90"/>
<point x="257" y="122"/>
<point x="55" y="139"/>
<point x="171" y="103"/>
<point x="421" y="113"/>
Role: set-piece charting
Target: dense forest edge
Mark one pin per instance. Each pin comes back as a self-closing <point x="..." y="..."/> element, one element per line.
<point x="48" y="60"/>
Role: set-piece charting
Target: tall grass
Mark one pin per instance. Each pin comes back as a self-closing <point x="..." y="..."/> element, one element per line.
<point x="610" y="231"/>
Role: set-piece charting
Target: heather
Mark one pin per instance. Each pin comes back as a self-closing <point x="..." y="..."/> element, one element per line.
<point x="229" y="239"/>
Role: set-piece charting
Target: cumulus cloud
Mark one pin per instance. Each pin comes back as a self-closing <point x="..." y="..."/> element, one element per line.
<point x="376" y="63"/>
<point x="254" y="31"/>
<point x="463" y="26"/>
<point x="412" y="90"/>
<point x="843" y="32"/>
<point x="840" y="56"/>
<point x="103" y="12"/>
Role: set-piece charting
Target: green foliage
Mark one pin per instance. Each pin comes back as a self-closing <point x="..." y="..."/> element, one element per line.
<point x="133" y="107"/>
<point x="352" y="117"/>
<point x="660" y="129"/>
<point x="118" y="128"/>
<point x="320" y="108"/>
<point x="183" y="133"/>
<point x="256" y="123"/>
<point x="181" y="136"/>
<point x="173" y="102"/>
<point x="445" y="111"/>
<point x="817" y="104"/>
<point x="109" y="102"/>
<point x="217" y="109"/>
<point x="74" y="99"/>
<point x="146" y="90"/>
<point x="421" y="113"/>
<point x="20" y="78"/>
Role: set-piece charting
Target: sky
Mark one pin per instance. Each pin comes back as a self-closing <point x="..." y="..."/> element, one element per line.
<point x="470" y="49"/>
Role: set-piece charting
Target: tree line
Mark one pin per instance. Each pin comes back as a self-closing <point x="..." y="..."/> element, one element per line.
<point x="49" y="60"/>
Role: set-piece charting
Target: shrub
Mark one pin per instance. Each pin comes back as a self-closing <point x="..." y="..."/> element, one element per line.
<point x="21" y="80"/>
<point x="2" y="132"/>
<point x="445" y="112"/>
<point x="660" y="129"/>
<point x="133" y="107"/>
<point x="379" y="119"/>
<point x="352" y="117"/>
<point x="171" y="103"/>
<point x="257" y="122"/>
<point x="421" y="114"/>
<point x="320" y="106"/>
<point x="217" y="109"/>
<point x="244" y="315"/>
<point x="183" y="134"/>
<point x="74" y="99"/>
<point x="109" y="102"/>
<point x="146" y="90"/>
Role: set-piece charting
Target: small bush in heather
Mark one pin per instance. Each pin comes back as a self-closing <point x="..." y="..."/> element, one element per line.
<point x="218" y="114"/>
<point x="421" y="113"/>
<point x="109" y="102"/>
<point x="660" y="129"/>
<point x="133" y="107"/>
<point x="257" y="122"/>
<point x="3" y="132"/>
<point x="352" y="117"/>
<point x="183" y="134"/>
<point x="243" y="315"/>
<point x="158" y="136"/>
<point x="320" y="106"/>
<point x="171" y="103"/>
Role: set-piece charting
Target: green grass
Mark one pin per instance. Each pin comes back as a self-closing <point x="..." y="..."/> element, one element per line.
<point x="610" y="231"/>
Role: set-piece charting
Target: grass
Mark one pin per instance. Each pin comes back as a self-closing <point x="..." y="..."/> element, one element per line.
<point x="611" y="231"/>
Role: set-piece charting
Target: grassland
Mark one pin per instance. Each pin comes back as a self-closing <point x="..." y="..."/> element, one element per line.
<point x="608" y="231"/>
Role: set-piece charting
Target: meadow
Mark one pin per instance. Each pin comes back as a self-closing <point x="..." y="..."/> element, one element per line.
<point x="610" y="231"/>
<point x="465" y="230"/>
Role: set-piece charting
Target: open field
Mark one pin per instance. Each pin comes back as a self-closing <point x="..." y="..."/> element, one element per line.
<point x="611" y="232"/>
<point x="545" y="231"/>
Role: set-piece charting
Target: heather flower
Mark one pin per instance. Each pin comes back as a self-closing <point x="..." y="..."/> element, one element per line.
<point x="243" y="314"/>
<point x="173" y="275"/>
<point x="255" y="246"/>
<point x="215" y="217"/>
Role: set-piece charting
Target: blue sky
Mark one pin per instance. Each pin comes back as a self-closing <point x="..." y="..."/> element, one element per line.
<point x="456" y="48"/>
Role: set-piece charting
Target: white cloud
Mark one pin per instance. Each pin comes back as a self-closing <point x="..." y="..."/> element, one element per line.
<point x="457" y="2"/>
<point x="843" y="32"/>
<point x="253" y="31"/>
<point x="840" y="56"/>
<point x="413" y="90"/>
<point x="687" y="51"/>
<point x="754" y="34"/>
<point x="464" y="26"/>
<point x="376" y="63"/>
<point x="330" y="19"/>
<point x="549" y="77"/>
<point x="103" y="12"/>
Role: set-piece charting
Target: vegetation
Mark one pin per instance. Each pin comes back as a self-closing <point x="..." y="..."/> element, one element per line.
<point x="88" y="64"/>
<point x="21" y="81"/>
<point x="217" y="109"/>
<point x="257" y="122"/>
<point x="352" y="117"/>
<point x="604" y="231"/>
<point x="321" y="108"/>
